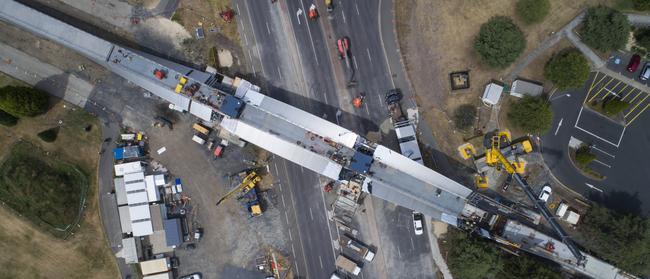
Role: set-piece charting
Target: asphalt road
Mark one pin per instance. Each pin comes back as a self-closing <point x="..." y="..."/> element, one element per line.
<point x="297" y="60"/>
<point x="620" y="151"/>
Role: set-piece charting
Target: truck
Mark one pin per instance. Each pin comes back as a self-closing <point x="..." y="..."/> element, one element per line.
<point x="404" y="127"/>
<point x="198" y="139"/>
<point x="347" y="265"/>
<point x="357" y="247"/>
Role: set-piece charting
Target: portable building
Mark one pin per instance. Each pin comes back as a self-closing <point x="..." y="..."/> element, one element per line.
<point x="155" y="266"/>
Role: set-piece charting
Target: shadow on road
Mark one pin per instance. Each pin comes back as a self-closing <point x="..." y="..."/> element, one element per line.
<point x="620" y="202"/>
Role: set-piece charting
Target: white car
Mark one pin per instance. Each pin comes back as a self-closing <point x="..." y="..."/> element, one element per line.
<point x="417" y="223"/>
<point x="545" y="193"/>
<point x="191" y="276"/>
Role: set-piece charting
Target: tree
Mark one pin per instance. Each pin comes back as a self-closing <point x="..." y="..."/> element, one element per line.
<point x="614" y="106"/>
<point x="605" y="29"/>
<point x="464" y="116"/>
<point x="641" y="5"/>
<point x="7" y="119"/>
<point x="642" y="38"/>
<point x="623" y="239"/>
<point x="49" y="135"/>
<point x="532" y="11"/>
<point x="584" y="156"/>
<point x="471" y="258"/>
<point x="499" y="42"/>
<point x="22" y="101"/>
<point x="526" y="267"/>
<point x="532" y="115"/>
<point x="567" y="69"/>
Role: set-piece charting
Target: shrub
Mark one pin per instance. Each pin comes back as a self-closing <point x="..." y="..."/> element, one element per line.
<point x="7" y="119"/>
<point x="531" y="115"/>
<point x="532" y="11"/>
<point x="614" y="106"/>
<point x="641" y="5"/>
<point x="605" y="29"/>
<point x="464" y="116"/>
<point x="49" y="135"/>
<point x="584" y="156"/>
<point x="21" y="101"/>
<point x="499" y="42"/>
<point x="567" y="69"/>
<point x="642" y="38"/>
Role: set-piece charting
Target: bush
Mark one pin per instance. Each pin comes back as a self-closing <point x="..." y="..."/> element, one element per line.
<point x="605" y="29"/>
<point x="49" y="135"/>
<point x="471" y="258"/>
<point x="584" y="156"/>
<point x="21" y="101"/>
<point x="567" y="69"/>
<point x="499" y="42"/>
<point x="465" y="116"/>
<point x="642" y="38"/>
<point x="532" y="11"/>
<point x="7" y="119"/>
<point x="614" y="106"/>
<point x="531" y="115"/>
<point x="641" y="5"/>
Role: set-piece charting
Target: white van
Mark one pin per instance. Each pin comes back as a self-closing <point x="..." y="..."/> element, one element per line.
<point x="561" y="209"/>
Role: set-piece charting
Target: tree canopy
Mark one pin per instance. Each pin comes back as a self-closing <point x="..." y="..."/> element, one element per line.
<point x="471" y="258"/>
<point x="567" y="69"/>
<point x="465" y="116"/>
<point x="532" y="11"/>
<point x="499" y="42"/>
<point x="641" y="5"/>
<point x="584" y="156"/>
<point x="21" y="101"/>
<point x="622" y="239"/>
<point x="642" y="38"/>
<point x="614" y="106"/>
<point x="7" y="119"/>
<point x="605" y="29"/>
<point x="531" y="115"/>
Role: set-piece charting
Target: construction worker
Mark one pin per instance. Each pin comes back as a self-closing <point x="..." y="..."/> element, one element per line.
<point x="357" y="102"/>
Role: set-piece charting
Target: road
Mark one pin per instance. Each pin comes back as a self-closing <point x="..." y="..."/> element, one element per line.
<point x="289" y="53"/>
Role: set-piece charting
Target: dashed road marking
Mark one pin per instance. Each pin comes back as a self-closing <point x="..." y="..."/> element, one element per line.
<point x="311" y="214"/>
<point x="603" y="151"/>
<point x="369" y="58"/>
<point x="268" y="30"/>
<point x="343" y="14"/>
<point x="356" y="7"/>
<point x="603" y="163"/>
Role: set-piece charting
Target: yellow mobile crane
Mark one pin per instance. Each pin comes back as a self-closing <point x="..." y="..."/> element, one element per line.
<point x="247" y="185"/>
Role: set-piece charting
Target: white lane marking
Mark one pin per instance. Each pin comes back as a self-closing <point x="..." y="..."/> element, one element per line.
<point x="558" y="126"/>
<point x="399" y="253"/>
<point x="279" y="73"/>
<point x="291" y="237"/>
<point x="357" y="7"/>
<point x="252" y="63"/>
<point x="283" y="203"/>
<point x="293" y="251"/>
<point x="383" y="47"/>
<point x="368" y="52"/>
<point x="412" y="245"/>
<point x="298" y="13"/>
<point x="381" y="102"/>
<point x="245" y="37"/>
<point x="268" y="30"/>
<point x="326" y="99"/>
<point x="297" y="271"/>
<point x="286" y="216"/>
<point x="321" y="262"/>
<point x="596" y="136"/>
<point x="295" y="215"/>
<point x="275" y="166"/>
<point x="257" y="46"/>
<point x="603" y="151"/>
<point x="354" y="59"/>
<point x="329" y="229"/>
<point x="608" y="166"/>
<point x="594" y="187"/>
<point x="367" y="111"/>
<point x="311" y="214"/>
<point x="342" y="13"/>
<point x="313" y="48"/>
<point x="280" y="184"/>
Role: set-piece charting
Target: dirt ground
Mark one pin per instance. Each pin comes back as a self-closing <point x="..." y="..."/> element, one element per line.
<point x="35" y="254"/>
<point x="436" y="38"/>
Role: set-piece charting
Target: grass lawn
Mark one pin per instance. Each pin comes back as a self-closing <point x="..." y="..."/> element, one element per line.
<point x="31" y="251"/>
<point x="47" y="192"/>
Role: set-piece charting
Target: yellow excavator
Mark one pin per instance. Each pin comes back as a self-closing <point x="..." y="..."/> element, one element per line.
<point x="246" y="189"/>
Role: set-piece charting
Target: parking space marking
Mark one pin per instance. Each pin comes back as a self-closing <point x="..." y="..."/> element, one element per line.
<point x="637" y="96"/>
<point x="601" y="89"/>
<point x="603" y="151"/>
<point x="596" y="136"/>
<point x="620" y="92"/>
<point x="637" y="105"/>
<point x="606" y="165"/>
<point x="634" y="118"/>
<point x="629" y="93"/>
<point x="591" y="87"/>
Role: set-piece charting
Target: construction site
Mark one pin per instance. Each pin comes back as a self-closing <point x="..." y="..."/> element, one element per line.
<point x="158" y="212"/>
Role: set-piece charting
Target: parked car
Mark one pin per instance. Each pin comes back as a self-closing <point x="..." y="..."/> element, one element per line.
<point x="191" y="276"/>
<point x="417" y="223"/>
<point x="645" y="73"/>
<point x="343" y="45"/>
<point x="545" y="193"/>
<point x="634" y="63"/>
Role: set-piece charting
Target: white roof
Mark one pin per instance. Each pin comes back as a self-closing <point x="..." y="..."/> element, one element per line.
<point x="142" y="228"/>
<point x="573" y="217"/>
<point x="137" y="197"/>
<point x="120" y="191"/>
<point x="159" y="179"/>
<point x="405" y="131"/>
<point x="135" y="186"/>
<point x="152" y="191"/>
<point x="129" y="251"/>
<point x="304" y="119"/>
<point x="492" y="94"/>
<point x="154" y="266"/>
<point x="125" y="219"/>
<point x="284" y="149"/>
<point x="522" y="87"/>
<point x="201" y="111"/>
<point x="122" y="169"/>
<point x="134" y="176"/>
<point x="139" y="212"/>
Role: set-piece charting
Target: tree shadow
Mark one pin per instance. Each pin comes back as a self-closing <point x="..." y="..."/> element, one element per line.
<point x="619" y="201"/>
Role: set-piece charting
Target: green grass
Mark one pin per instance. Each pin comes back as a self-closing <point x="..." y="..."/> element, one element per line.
<point x="8" y="80"/>
<point x="177" y="18"/>
<point x="47" y="192"/>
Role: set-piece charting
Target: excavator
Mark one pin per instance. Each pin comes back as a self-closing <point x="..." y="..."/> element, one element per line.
<point x="494" y="156"/>
<point x="246" y="190"/>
